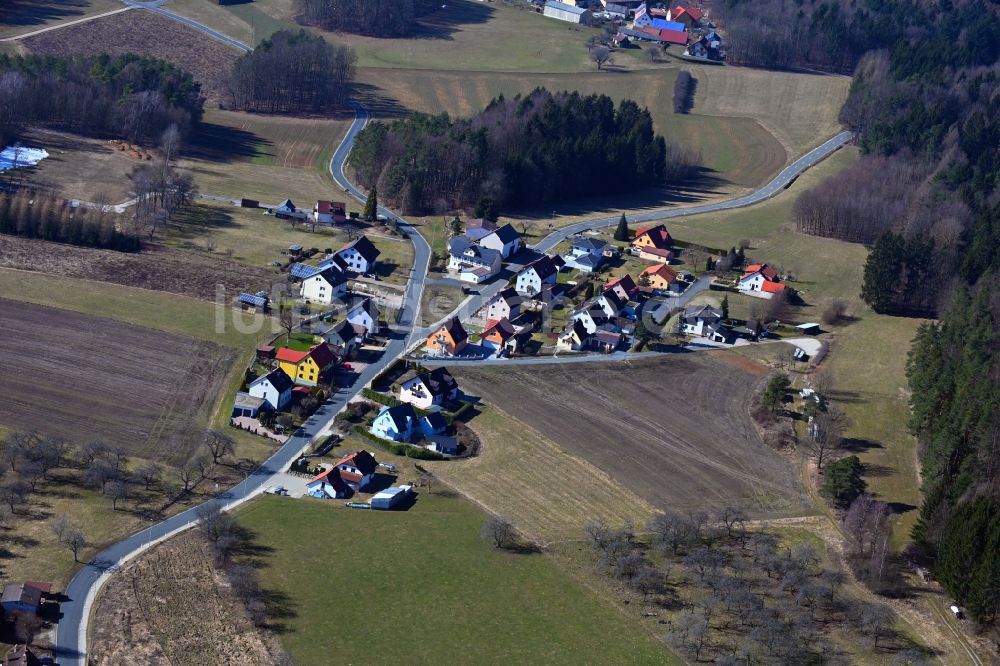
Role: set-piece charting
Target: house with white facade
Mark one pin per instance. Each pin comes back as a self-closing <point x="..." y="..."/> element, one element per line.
<point x="505" y="305"/>
<point x="275" y="388"/>
<point x="760" y="280"/>
<point x="395" y="423"/>
<point x="504" y="240"/>
<point x="536" y="275"/>
<point x="329" y="212"/>
<point x="359" y="255"/>
<point x="705" y="321"/>
<point x="473" y="263"/>
<point x="428" y="389"/>
<point x="287" y="210"/>
<point x="324" y="287"/>
<point x="575" y="337"/>
<point x="586" y="254"/>
<point x="357" y="469"/>
<point x="365" y="314"/>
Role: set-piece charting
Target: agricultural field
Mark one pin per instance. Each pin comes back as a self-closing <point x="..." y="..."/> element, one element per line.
<point x="24" y="16"/>
<point x="71" y="381"/>
<point x="675" y="431"/>
<point x="265" y="158"/>
<point x="866" y="365"/>
<point x="423" y="565"/>
<point x="148" y="34"/>
<point x="158" y="268"/>
<point x="173" y="605"/>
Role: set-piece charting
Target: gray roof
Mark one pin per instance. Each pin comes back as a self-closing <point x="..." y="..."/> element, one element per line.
<point x="339" y="334"/>
<point x="572" y="9"/>
<point x="21" y="593"/>
<point x="589" y="244"/>
<point x="461" y="245"/>
<point x="506" y="234"/>
<point x="247" y="401"/>
<point x="702" y="312"/>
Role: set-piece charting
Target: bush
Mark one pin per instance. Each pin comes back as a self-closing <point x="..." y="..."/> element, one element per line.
<point x="835" y="312"/>
<point x="459" y="413"/>
<point x="842" y="481"/>
<point x="683" y="92"/>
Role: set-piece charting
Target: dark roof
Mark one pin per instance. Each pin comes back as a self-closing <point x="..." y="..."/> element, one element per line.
<point x="580" y="330"/>
<point x="544" y="266"/>
<point x="368" y="305"/>
<point x="702" y="312"/>
<point x="340" y="334"/>
<point x="278" y="378"/>
<point x="332" y="476"/>
<point x="503" y="326"/>
<point x="589" y="244"/>
<point x="438" y="381"/>
<point x="455" y="330"/>
<point x="364" y="247"/>
<point x="481" y="223"/>
<point x="436" y="421"/>
<point x="400" y="414"/>
<point x="323" y="355"/>
<point x="509" y="295"/>
<point x="332" y="276"/>
<point x="20" y="655"/>
<point x="506" y="234"/>
<point x="21" y="593"/>
<point x="362" y="459"/>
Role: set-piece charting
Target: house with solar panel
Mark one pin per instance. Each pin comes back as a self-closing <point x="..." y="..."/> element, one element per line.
<point x="259" y="302"/>
<point x="324" y="287"/>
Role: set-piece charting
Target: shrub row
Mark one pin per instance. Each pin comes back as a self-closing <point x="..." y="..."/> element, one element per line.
<point x="380" y="398"/>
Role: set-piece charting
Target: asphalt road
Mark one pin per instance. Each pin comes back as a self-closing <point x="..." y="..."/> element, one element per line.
<point x="71" y="635"/>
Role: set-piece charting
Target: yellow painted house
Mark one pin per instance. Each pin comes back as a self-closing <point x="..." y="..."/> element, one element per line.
<point x="306" y="367"/>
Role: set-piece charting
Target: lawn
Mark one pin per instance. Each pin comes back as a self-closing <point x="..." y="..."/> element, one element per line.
<point x="438" y="300"/>
<point x="23" y="16"/>
<point x="435" y="591"/>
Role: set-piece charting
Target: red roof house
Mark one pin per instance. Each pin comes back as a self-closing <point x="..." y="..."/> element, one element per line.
<point x="353" y="468"/>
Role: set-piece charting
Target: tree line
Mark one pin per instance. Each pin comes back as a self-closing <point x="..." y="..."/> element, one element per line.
<point x="127" y="96"/>
<point x="518" y="151"/>
<point x="377" y="18"/>
<point x="34" y="215"/>
<point x="292" y="73"/>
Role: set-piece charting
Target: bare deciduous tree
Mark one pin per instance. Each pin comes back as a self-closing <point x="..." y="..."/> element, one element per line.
<point x="219" y="445"/>
<point x="500" y="532"/>
<point x="601" y="55"/>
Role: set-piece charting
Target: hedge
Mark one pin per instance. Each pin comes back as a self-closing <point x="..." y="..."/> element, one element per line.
<point x="466" y="407"/>
<point x="380" y="398"/>
<point x="398" y="449"/>
<point x="696" y="246"/>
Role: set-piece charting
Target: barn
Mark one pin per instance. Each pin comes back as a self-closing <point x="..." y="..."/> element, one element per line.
<point x="390" y="498"/>
<point x="565" y="12"/>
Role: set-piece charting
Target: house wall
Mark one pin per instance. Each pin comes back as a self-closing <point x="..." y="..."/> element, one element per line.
<point x="318" y="290"/>
<point x="361" y="317"/>
<point x="355" y="261"/>
<point x="570" y="17"/>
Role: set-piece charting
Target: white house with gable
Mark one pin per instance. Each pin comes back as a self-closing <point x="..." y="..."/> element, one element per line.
<point x="325" y="287"/>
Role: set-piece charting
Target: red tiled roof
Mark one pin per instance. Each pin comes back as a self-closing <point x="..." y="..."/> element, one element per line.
<point x="501" y="329"/>
<point x="664" y="271"/>
<point x="768" y="272"/>
<point x="693" y="12"/>
<point x="290" y="355"/>
<point x="324" y="207"/>
<point x="772" y="287"/>
<point x="658" y="252"/>
<point x="673" y="37"/>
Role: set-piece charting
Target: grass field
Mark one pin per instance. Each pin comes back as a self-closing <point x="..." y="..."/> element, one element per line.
<point x="79" y="168"/>
<point x="867" y="359"/>
<point x="675" y="431"/>
<point x="23" y="16"/>
<point x="435" y="591"/>
<point x="148" y="34"/>
<point x="437" y="300"/>
<point x="206" y="623"/>
<point x="264" y="158"/>
<point x="58" y="383"/>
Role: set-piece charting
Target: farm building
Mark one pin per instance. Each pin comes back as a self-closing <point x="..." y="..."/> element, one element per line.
<point x="23" y="597"/>
<point x="390" y="498"/>
<point x="569" y="13"/>
<point x="329" y="212"/>
<point x="478" y="228"/>
<point x="287" y="210"/>
<point x="686" y="16"/>
<point x="259" y="301"/>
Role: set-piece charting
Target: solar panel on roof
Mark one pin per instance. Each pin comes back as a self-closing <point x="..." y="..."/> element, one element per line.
<point x="252" y="299"/>
<point x="302" y="271"/>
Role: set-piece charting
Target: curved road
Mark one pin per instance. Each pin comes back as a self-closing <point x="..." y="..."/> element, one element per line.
<point x="71" y="636"/>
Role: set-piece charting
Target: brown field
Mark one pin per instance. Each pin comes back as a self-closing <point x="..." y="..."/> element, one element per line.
<point x="159" y="268"/>
<point x="675" y="431"/>
<point x="84" y="377"/>
<point x="145" y="33"/>
<point x="79" y="168"/>
<point x="172" y="606"/>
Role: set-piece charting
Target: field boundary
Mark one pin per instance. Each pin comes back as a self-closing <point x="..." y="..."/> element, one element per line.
<point x="66" y="24"/>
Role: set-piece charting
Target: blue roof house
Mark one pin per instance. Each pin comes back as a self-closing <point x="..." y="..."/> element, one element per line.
<point x="395" y="423"/>
<point x="433" y="424"/>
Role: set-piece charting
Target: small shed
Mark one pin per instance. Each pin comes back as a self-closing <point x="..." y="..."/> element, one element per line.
<point x="390" y="498"/>
<point x="294" y="249"/>
<point x="809" y="329"/>
<point x="249" y="203"/>
<point x="265" y="352"/>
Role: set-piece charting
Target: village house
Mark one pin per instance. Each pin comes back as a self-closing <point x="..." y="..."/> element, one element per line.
<point x="653" y="244"/>
<point x="567" y="12"/>
<point x="301" y="271"/>
<point x="760" y="280"/>
<point x="342" y="338"/>
<point x="591" y="314"/>
<point x="698" y="49"/>
<point x="472" y="262"/>
<point x="536" y="275"/>
<point x="505" y="337"/>
<point x="286" y="210"/>
<point x="624" y="286"/>
<point x="505" y="305"/>
<point x="275" y="388"/>
<point x="433" y="424"/>
<point x="23" y="597"/>
<point x="395" y="423"/>
<point x="504" y="240"/>
<point x="357" y="469"/>
<point x="607" y="340"/>
<point x="574" y="337"/>
<point x="705" y="321"/>
<point x="449" y="339"/>
<point x="658" y="277"/>
<point x="686" y="16"/>
<point x="359" y="255"/>
<point x="306" y="368"/>
<point x="329" y="212"/>
<point x="324" y="287"/>
<point x="365" y="314"/>
<point x="586" y="254"/>
<point x="478" y="228"/>
<point x="428" y="389"/>
<point x="329" y="485"/>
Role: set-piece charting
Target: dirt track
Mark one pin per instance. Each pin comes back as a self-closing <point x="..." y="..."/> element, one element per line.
<point x="86" y="378"/>
<point x="674" y="431"/>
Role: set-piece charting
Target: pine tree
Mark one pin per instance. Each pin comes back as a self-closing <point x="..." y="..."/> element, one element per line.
<point x="622" y="233"/>
<point x="371" y="206"/>
<point x="883" y="272"/>
<point x="842" y="480"/>
<point x="725" y="307"/>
